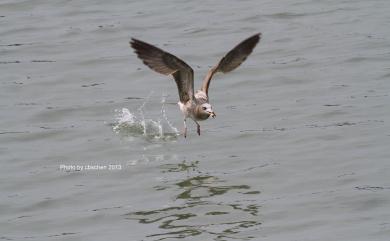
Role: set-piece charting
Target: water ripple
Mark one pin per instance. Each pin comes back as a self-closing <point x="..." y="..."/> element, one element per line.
<point x="202" y="213"/>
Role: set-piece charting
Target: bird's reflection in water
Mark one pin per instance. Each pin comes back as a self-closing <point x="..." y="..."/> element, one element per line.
<point x="205" y="208"/>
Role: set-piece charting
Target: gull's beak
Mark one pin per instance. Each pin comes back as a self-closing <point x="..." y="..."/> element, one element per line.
<point x="212" y="114"/>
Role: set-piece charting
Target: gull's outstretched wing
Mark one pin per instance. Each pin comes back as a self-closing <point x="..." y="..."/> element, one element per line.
<point x="167" y="64"/>
<point x="232" y="59"/>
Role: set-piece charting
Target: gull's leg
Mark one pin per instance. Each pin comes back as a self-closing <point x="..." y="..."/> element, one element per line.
<point x="185" y="128"/>
<point x="197" y="127"/>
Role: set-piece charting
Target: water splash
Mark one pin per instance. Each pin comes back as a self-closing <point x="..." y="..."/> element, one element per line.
<point x="165" y="117"/>
<point x="132" y="124"/>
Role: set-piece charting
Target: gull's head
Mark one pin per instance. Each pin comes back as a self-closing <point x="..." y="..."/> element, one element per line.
<point x="207" y="109"/>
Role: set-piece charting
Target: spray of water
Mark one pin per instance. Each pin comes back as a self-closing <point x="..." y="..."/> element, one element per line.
<point x="135" y="124"/>
<point x="164" y="115"/>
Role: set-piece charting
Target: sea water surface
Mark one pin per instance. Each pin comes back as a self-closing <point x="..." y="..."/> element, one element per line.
<point x="90" y="142"/>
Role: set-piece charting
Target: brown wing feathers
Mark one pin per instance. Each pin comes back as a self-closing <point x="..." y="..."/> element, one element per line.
<point x="167" y="64"/>
<point x="152" y="57"/>
<point x="232" y="59"/>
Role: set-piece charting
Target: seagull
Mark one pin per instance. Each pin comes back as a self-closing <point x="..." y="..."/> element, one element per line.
<point x="193" y="105"/>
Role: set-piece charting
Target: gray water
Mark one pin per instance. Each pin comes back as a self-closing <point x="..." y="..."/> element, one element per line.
<point x="299" y="149"/>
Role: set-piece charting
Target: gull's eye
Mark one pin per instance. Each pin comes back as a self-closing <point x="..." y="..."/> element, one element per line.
<point x="204" y="108"/>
